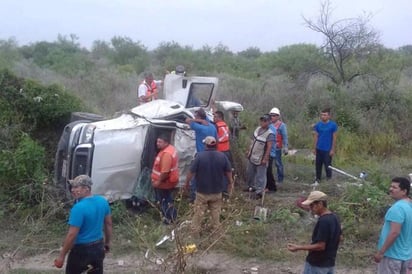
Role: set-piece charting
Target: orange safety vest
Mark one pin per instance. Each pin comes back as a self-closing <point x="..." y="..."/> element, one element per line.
<point x="173" y="178"/>
<point x="222" y="136"/>
<point x="151" y="89"/>
<point x="279" y="138"/>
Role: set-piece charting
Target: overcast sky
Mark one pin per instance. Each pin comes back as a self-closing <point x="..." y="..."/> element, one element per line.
<point x="238" y="24"/>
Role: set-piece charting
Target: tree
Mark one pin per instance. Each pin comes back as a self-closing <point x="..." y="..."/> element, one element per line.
<point x="347" y="43"/>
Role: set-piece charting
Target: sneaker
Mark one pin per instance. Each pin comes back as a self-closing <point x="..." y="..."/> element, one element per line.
<point x="315" y="184"/>
<point x="249" y="189"/>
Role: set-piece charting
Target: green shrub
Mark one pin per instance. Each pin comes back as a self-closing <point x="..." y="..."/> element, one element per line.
<point x="22" y="171"/>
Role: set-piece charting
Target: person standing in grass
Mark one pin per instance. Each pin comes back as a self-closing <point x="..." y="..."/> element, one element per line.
<point x="90" y="230"/>
<point x="258" y="156"/>
<point x="278" y="147"/>
<point x="326" y="237"/>
<point x="325" y="132"/>
<point x="395" y="241"/>
<point x="165" y="177"/>
<point x="210" y="168"/>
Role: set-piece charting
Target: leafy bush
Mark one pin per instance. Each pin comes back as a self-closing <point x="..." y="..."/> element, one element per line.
<point x="22" y="171"/>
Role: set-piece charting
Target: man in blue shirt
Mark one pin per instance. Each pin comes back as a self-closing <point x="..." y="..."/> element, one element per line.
<point x="203" y="128"/>
<point x="395" y="242"/>
<point x="324" y="144"/>
<point x="89" y="217"/>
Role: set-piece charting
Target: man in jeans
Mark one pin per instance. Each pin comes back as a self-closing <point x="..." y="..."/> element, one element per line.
<point x="165" y="177"/>
<point x="325" y="132"/>
<point x="209" y="168"/>
<point x="90" y="230"/>
<point x="278" y="147"/>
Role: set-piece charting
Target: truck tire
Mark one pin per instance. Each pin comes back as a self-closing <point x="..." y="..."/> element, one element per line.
<point x="92" y="117"/>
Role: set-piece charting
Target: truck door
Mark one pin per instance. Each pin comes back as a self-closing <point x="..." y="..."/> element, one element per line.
<point x="191" y="92"/>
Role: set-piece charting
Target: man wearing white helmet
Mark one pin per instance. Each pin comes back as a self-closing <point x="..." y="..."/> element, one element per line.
<point x="279" y="146"/>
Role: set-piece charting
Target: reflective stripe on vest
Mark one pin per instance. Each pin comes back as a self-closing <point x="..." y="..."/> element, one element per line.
<point x="257" y="150"/>
<point x="173" y="178"/>
<point x="222" y="136"/>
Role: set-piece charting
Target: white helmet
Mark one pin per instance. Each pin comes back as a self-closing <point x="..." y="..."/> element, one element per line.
<point x="274" y="111"/>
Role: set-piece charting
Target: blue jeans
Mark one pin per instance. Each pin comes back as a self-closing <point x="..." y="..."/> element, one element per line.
<point x="164" y="197"/>
<point x="84" y="256"/>
<point x="279" y="165"/>
<point x="256" y="176"/>
<point x="310" y="269"/>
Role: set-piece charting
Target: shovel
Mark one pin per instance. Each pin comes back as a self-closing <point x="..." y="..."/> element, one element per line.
<point x="261" y="212"/>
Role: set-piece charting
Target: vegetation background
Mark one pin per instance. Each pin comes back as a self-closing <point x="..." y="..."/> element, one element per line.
<point x="367" y="86"/>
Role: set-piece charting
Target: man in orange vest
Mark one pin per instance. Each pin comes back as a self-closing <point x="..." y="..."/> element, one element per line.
<point x="223" y="143"/>
<point x="165" y="177"/>
<point x="147" y="90"/>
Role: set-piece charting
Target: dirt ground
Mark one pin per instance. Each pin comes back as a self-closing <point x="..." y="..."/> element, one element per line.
<point x="209" y="263"/>
<point x="200" y="262"/>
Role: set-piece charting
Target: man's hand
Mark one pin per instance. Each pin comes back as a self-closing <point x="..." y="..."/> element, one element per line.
<point x="293" y="247"/>
<point x="106" y="248"/>
<point x="331" y="152"/>
<point x="285" y="151"/>
<point x="156" y="183"/>
<point x="378" y="257"/>
<point x="59" y="262"/>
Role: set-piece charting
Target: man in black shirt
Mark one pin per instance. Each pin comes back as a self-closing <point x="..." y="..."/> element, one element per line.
<point x="325" y="237"/>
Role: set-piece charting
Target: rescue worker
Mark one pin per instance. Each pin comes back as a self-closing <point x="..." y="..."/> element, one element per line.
<point x="165" y="177"/>
<point x="147" y="90"/>
<point x="258" y="155"/>
<point x="223" y="143"/>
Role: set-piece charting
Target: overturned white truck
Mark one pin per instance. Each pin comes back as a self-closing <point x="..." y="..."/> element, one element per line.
<point x="116" y="152"/>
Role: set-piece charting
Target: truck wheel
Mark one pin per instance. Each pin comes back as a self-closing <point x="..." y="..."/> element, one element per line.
<point x="92" y="117"/>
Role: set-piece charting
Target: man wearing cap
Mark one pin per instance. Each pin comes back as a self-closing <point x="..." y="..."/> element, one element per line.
<point x="279" y="146"/>
<point x="165" y="176"/>
<point x="258" y="155"/>
<point x="326" y="236"/>
<point x="90" y="231"/>
<point x="203" y="128"/>
<point x="395" y="241"/>
<point x="209" y="168"/>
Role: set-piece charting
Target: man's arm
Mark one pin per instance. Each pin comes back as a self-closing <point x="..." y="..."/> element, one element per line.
<point x="315" y="141"/>
<point x="265" y="159"/>
<point x="67" y="245"/>
<point x="230" y="185"/>
<point x="108" y="230"/>
<point x="189" y="177"/>
<point x="166" y="166"/>
<point x="394" y="232"/>
<point x="332" y="151"/>
<point x="285" y="140"/>
<point x="319" y="246"/>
